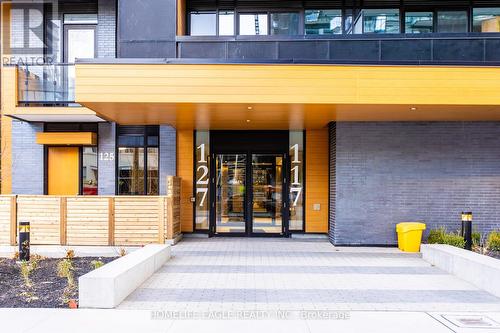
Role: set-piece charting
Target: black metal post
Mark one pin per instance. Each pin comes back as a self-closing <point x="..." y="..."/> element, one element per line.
<point x="24" y="241"/>
<point x="466" y="231"/>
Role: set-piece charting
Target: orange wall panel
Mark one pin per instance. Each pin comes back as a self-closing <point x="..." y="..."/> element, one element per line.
<point x="185" y="172"/>
<point x="9" y="101"/>
<point x="317" y="180"/>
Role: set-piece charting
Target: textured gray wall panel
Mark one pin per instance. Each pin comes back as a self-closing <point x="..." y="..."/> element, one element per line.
<point x="168" y="162"/>
<point x="389" y="172"/>
<point x="107" y="168"/>
<point x="27" y="158"/>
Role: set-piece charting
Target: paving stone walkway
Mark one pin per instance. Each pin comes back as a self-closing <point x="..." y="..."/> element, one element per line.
<point x="289" y="274"/>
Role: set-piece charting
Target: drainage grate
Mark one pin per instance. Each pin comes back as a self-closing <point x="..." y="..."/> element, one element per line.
<point x="471" y="321"/>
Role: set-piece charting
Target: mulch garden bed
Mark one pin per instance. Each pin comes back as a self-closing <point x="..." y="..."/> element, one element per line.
<point x="48" y="288"/>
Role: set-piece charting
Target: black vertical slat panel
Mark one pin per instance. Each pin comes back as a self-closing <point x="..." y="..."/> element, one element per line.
<point x="323" y="4"/>
<point x="77" y="7"/>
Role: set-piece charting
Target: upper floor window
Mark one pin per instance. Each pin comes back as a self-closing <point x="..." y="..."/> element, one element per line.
<point x="385" y="21"/>
<point x="203" y="23"/>
<point x="284" y="23"/>
<point x="291" y="22"/>
<point x="279" y="23"/>
<point x="253" y="24"/>
<point x="452" y="21"/>
<point x="226" y="23"/>
<point x="419" y="22"/>
<point x="323" y="22"/>
<point x="486" y="20"/>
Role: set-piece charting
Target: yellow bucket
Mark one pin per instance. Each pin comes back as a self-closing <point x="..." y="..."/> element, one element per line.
<point x="410" y="236"/>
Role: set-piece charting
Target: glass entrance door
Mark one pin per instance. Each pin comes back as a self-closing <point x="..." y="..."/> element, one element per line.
<point x="249" y="194"/>
<point x="230" y="193"/>
<point x="267" y="193"/>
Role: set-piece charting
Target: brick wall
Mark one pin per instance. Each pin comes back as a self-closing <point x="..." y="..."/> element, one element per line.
<point x="106" y="29"/>
<point x="106" y="168"/>
<point x="168" y="162"/>
<point x="389" y="172"/>
<point x="332" y="179"/>
<point x="27" y="158"/>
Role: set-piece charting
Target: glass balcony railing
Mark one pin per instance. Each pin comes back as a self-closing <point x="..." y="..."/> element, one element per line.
<point x="52" y="85"/>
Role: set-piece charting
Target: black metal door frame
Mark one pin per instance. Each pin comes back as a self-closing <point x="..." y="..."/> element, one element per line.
<point x="249" y="148"/>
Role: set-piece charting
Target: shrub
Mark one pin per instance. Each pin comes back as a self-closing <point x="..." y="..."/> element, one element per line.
<point x="476" y="238"/>
<point x="26" y="268"/>
<point x="436" y="236"/>
<point x="440" y="236"/>
<point x="454" y="240"/>
<point x="96" y="264"/>
<point x="65" y="270"/>
<point x="493" y="242"/>
<point x="122" y="252"/>
<point x="35" y="260"/>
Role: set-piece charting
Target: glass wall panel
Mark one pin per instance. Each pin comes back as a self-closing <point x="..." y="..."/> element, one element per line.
<point x="486" y="19"/>
<point x="152" y="178"/>
<point x="296" y="181"/>
<point x="385" y="21"/>
<point x="226" y="23"/>
<point x="202" y="183"/>
<point x="230" y="192"/>
<point x="138" y="160"/>
<point x="452" y="21"/>
<point x="253" y="24"/>
<point x="419" y="22"/>
<point x="323" y="22"/>
<point x="203" y="23"/>
<point x="267" y="193"/>
<point x="89" y="171"/>
<point x="131" y="171"/>
<point x="284" y="23"/>
<point x="348" y="21"/>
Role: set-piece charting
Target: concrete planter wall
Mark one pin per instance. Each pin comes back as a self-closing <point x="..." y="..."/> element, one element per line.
<point x="480" y="270"/>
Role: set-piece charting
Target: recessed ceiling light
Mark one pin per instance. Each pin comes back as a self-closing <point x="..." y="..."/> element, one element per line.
<point x="249" y="107"/>
<point x="248" y="120"/>
<point x="413" y="108"/>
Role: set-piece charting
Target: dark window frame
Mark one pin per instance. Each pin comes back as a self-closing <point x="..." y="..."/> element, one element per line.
<point x="346" y="11"/>
<point x="147" y="130"/>
<point x="67" y="27"/>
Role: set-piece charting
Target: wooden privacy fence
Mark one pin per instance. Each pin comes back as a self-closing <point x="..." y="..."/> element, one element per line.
<point x="93" y="220"/>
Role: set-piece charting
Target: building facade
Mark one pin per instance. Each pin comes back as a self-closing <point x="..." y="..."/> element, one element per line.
<point x="281" y="117"/>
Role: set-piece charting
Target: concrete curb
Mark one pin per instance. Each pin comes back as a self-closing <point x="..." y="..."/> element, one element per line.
<point x="59" y="251"/>
<point x="477" y="269"/>
<point x="108" y="286"/>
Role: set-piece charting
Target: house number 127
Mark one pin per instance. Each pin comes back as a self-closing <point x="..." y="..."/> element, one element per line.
<point x="202" y="180"/>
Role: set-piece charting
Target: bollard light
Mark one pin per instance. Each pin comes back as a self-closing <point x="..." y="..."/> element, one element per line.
<point x="466" y="231"/>
<point x="24" y="241"/>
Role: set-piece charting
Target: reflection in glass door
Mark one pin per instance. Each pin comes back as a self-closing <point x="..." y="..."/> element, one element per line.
<point x="267" y="193"/>
<point x="230" y="193"/>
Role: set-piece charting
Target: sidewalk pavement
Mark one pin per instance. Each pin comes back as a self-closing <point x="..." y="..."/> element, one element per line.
<point x="96" y="321"/>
